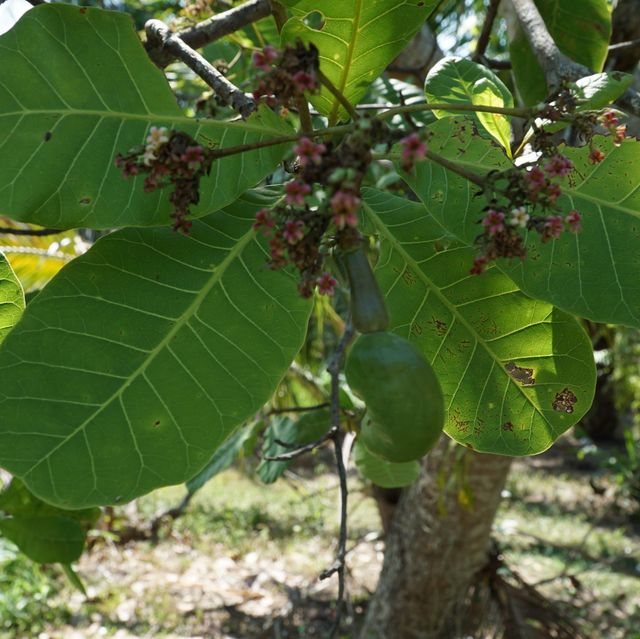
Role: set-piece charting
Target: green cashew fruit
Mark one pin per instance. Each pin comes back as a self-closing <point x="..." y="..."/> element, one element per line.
<point x="405" y="406"/>
<point x="368" y="310"/>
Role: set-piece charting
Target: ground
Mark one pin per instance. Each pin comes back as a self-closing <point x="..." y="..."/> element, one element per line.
<point x="243" y="563"/>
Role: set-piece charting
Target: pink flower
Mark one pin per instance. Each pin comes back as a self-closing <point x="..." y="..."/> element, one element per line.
<point x="277" y="249"/>
<point x="535" y="178"/>
<point x="293" y="231"/>
<point x="553" y="228"/>
<point x="264" y="221"/>
<point x="558" y="166"/>
<point x="262" y="59"/>
<point x="326" y="284"/>
<point x="479" y="264"/>
<point x="309" y="152"/>
<point x="192" y="156"/>
<point x="609" y="119"/>
<point x="345" y="205"/>
<point x="413" y="147"/>
<point x="553" y="192"/>
<point x="305" y="81"/>
<point x="596" y="156"/>
<point x="493" y="221"/>
<point x="620" y="134"/>
<point x="295" y="192"/>
<point x="573" y="221"/>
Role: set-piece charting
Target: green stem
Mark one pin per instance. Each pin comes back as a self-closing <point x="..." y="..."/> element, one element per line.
<point x="337" y="94"/>
<point x="473" y="108"/>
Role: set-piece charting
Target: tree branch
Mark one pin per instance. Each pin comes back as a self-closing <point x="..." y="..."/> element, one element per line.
<point x="555" y="64"/>
<point x="228" y="92"/>
<point x="210" y="30"/>
<point x="487" y="27"/>
<point x="6" y="230"/>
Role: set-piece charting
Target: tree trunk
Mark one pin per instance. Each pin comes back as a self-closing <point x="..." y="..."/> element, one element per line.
<point x="438" y="541"/>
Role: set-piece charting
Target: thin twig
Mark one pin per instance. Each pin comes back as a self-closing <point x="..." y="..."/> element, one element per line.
<point x="226" y="91"/>
<point x="212" y="29"/>
<point x="472" y="108"/>
<point x="307" y="448"/>
<point x="5" y="230"/>
<point x="338" y="95"/>
<point x="622" y="46"/>
<point x="298" y="409"/>
<point x="334" y="366"/>
<point x="487" y="27"/>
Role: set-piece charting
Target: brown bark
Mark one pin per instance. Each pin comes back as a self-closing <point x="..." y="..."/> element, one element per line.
<point x="437" y="544"/>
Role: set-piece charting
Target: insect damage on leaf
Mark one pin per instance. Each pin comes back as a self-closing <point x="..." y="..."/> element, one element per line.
<point x="520" y="374"/>
<point x="564" y="401"/>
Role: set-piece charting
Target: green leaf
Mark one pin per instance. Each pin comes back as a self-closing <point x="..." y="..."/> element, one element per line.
<point x="580" y="28"/>
<point x="11" y="298"/>
<point x="304" y="430"/>
<point x="516" y="373"/>
<point x="356" y="39"/>
<point x="222" y="458"/>
<point x="600" y="90"/>
<point x="593" y="273"/>
<point x="45" y="539"/>
<point x="141" y="357"/>
<point x="77" y="88"/>
<point x="384" y="473"/>
<point x="74" y="578"/>
<point x="455" y="80"/>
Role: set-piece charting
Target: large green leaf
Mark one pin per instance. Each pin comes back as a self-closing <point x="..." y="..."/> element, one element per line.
<point x="593" y="273"/>
<point x="357" y="39"/>
<point x="11" y="298"/>
<point x="77" y="88"/>
<point x="45" y="539"/>
<point x="141" y="356"/>
<point x="515" y="372"/>
<point x="455" y="80"/>
<point x="580" y="28"/>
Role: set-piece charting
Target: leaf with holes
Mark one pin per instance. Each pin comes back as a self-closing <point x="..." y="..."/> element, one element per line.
<point x="77" y="88"/>
<point x="140" y="357"/>
<point x="458" y="81"/>
<point x="356" y="39"/>
<point x="580" y="28"/>
<point x="593" y="273"/>
<point x="516" y="373"/>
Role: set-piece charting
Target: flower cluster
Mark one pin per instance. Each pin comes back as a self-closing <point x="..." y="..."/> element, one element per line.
<point x="170" y="158"/>
<point x="320" y="205"/>
<point x="525" y="200"/>
<point x="413" y="148"/>
<point x="287" y="74"/>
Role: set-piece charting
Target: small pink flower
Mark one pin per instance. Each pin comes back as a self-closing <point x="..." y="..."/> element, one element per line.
<point x="309" y="152"/>
<point x="573" y="221"/>
<point x="192" y="156"/>
<point x="345" y="205"/>
<point x="262" y="59"/>
<point x="293" y="231"/>
<point x="596" y="156"/>
<point x="295" y="192"/>
<point x="554" y="191"/>
<point x="553" y="228"/>
<point x="535" y="178"/>
<point x="620" y="134"/>
<point x="479" y="264"/>
<point x="413" y="147"/>
<point x="558" y="166"/>
<point x="326" y="284"/>
<point x="277" y="249"/>
<point x="264" y="221"/>
<point x="609" y="119"/>
<point x="305" y="81"/>
<point x="493" y="221"/>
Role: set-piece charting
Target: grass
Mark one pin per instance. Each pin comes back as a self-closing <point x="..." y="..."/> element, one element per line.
<point x="243" y="562"/>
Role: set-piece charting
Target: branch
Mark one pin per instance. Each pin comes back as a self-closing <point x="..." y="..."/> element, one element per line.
<point x="297" y="409"/>
<point x="338" y="566"/>
<point x="338" y="95"/>
<point x="307" y="448"/>
<point x="487" y="27"/>
<point x="472" y="108"/>
<point x="228" y="92"/>
<point x="5" y="230"/>
<point x="211" y="30"/>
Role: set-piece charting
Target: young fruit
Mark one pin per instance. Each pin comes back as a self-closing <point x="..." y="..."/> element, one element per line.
<point x="368" y="310"/>
<point x="405" y="407"/>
